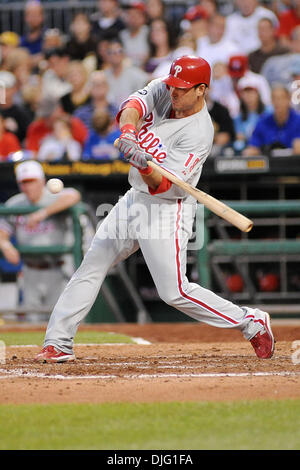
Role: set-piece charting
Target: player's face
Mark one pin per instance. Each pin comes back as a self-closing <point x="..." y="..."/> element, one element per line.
<point x="32" y="189"/>
<point x="186" y="101"/>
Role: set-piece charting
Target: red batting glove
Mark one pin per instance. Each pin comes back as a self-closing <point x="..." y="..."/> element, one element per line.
<point x="128" y="139"/>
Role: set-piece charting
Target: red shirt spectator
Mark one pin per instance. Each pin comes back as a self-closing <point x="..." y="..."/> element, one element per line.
<point x="8" y="143"/>
<point x="43" y="126"/>
<point x="288" y="20"/>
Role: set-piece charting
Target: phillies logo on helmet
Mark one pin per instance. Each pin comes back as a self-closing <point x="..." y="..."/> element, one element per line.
<point x="178" y="69"/>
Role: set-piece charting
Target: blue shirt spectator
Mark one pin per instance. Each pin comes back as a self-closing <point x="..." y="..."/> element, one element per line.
<point x="251" y="109"/>
<point x="34" y="26"/>
<point x="278" y="129"/>
<point x="269" y="133"/>
<point x="85" y="113"/>
<point x="99" y="99"/>
<point x="100" y="142"/>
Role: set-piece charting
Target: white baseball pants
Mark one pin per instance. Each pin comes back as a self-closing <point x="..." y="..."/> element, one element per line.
<point x="161" y="229"/>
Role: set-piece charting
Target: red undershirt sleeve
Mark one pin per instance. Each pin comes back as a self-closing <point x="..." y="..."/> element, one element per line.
<point x="131" y="104"/>
<point x="165" y="183"/>
<point x="162" y="188"/>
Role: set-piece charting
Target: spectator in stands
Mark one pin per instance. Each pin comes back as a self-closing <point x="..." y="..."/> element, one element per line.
<point x="251" y="108"/>
<point x="223" y="124"/>
<point x="135" y="34"/>
<point x="239" y="67"/>
<point x="279" y="129"/>
<point x="215" y="47"/>
<point x="270" y="45"/>
<point x="34" y="28"/>
<point x="222" y="89"/>
<point x="99" y="99"/>
<point x="155" y="9"/>
<point x="9" y="143"/>
<point x="210" y="6"/>
<point x="54" y="83"/>
<point x="184" y="46"/>
<point x="53" y="39"/>
<point x="100" y="142"/>
<point x="32" y="95"/>
<point x="79" y="95"/>
<point x="60" y="144"/>
<point x="195" y="21"/>
<point x="45" y="275"/>
<point x="17" y="119"/>
<point x="288" y="20"/>
<point x="278" y="68"/>
<point x="241" y="26"/>
<point x="9" y="41"/>
<point x="161" y="44"/>
<point x="47" y="114"/>
<point x="81" y="43"/>
<point x="122" y="77"/>
<point x="107" y="22"/>
<point x="20" y="65"/>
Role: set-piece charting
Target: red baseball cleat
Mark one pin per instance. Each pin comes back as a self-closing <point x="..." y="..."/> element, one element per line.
<point x="263" y="342"/>
<point x="50" y="354"/>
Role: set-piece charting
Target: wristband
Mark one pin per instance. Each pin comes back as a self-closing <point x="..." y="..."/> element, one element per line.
<point x="146" y="171"/>
<point x="129" y="128"/>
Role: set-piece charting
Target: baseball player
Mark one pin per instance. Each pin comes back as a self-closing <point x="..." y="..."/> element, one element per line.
<point x="44" y="276"/>
<point x="166" y="122"/>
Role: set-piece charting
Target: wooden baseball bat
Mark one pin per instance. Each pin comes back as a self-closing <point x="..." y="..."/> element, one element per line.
<point x="214" y="205"/>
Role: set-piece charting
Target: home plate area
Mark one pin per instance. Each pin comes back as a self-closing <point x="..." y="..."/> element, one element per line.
<point x="175" y="362"/>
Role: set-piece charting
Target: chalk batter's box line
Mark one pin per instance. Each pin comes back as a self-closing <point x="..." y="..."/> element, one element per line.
<point x="20" y="373"/>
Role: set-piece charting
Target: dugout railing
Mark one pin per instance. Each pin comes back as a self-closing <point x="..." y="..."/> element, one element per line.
<point x="76" y="250"/>
<point x="241" y="251"/>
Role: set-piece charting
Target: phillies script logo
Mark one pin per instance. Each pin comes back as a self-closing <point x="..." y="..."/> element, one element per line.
<point x="149" y="142"/>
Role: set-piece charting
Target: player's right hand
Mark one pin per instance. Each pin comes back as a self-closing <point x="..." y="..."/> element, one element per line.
<point x="128" y="139"/>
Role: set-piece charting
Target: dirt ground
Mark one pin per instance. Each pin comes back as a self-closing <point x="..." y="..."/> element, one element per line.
<point x="179" y="362"/>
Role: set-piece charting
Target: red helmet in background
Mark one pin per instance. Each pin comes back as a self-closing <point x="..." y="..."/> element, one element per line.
<point x="188" y="71"/>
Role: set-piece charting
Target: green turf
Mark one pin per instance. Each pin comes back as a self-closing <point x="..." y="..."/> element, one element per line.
<point x="84" y="337"/>
<point x="273" y="425"/>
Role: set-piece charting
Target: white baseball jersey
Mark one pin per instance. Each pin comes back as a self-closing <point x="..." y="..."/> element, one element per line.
<point x="179" y="145"/>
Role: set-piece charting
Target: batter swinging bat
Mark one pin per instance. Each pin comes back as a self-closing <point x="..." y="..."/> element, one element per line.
<point x="214" y="205"/>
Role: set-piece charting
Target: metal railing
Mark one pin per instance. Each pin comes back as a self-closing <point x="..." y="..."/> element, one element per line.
<point x="57" y="14"/>
<point x="76" y="250"/>
<point x="242" y="253"/>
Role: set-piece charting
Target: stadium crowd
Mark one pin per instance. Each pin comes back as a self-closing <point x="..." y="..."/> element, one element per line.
<point x="60" y="91"/>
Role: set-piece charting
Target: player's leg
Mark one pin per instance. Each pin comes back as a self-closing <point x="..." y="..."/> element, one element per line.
<point x="166" y="260"/>
<point x="110" y="245"/>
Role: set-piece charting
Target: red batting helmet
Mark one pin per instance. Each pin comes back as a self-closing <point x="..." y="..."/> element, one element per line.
<point x="188" y="71"/>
